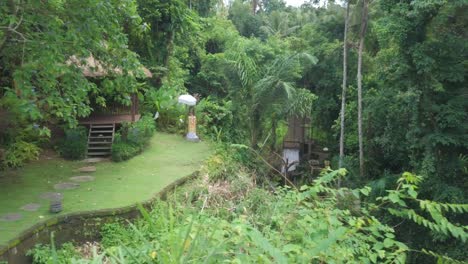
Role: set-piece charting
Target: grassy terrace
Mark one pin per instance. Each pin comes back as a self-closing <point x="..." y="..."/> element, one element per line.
<point x="167" y="159"/>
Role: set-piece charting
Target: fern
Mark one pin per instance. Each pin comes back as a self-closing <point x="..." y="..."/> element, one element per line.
<point x="438" y="223"/>
<point x="259" y="240"/>
<point x="441" y="258"/>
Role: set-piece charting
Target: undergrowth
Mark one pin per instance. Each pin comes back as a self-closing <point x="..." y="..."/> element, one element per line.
<point x="224" y="217"/>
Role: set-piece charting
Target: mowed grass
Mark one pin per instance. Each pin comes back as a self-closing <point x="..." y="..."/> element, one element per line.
<point x="167" y="158"/>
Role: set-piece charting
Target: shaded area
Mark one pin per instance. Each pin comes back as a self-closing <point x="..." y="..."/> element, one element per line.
<point x="108" y="119"/>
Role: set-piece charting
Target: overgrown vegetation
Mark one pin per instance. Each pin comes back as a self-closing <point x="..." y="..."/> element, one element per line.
<point x="255" y="64"/>
<point x="19" y="153"/>
<point x="132" y="138"/>
<point x="75" y="144"/>
<point x="44" y="254"/>
<point x="212" y="220"/>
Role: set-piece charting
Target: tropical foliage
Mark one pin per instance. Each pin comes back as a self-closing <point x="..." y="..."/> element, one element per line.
<point x="316" y="223"/>
<point x="132" y="138"/>
<point x="75" y="144"/>
<point x="254" y="64"/>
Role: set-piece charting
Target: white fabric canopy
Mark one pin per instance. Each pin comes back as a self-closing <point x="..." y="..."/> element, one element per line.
<point x="187" y="99"/>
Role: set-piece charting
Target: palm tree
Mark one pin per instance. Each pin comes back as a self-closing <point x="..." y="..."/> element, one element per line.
<point x="270" y="90"/>
<point x="275" y="93"/>
<point x="278" y="25"/>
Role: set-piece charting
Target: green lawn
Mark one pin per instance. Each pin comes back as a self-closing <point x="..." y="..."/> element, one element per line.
<point x="168" y="158"/>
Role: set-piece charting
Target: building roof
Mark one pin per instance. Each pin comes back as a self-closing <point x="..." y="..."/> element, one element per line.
<point x="92" y="67"/>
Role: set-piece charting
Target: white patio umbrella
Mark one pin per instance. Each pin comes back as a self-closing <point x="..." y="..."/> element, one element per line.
<point x="187" y="99"/>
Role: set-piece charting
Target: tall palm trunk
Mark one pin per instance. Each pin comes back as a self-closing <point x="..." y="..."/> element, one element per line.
<point x="359" y="84"/>
<point x="343" y="93"/>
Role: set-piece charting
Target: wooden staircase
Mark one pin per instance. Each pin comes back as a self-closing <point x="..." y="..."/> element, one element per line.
<point x="100" y="140"/>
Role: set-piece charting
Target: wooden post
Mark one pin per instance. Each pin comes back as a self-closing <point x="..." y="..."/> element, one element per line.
<point x="137" y="105"/>
<point x="133" y="107"/>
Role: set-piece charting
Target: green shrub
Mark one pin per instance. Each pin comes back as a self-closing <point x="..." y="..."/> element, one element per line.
<point x="142" y="131"/>
<point x="170" y="111"/>
<point x="216" y="120"/>
<point x="20" y="152"/>
<point x="75" y="144"/>
<point x="132" y="138"/>
<point x="124" y="150"/>
<point x="45" y="254"/>
<point x="114" y="234"/>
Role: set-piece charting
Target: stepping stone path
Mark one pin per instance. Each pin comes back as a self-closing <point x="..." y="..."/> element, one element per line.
<point x="84" y="178"/>
<point x="66" y="186"/>
<point x="31" y="207"/>
<point x="55" y="196"/>
<point x="11" y="217"/>
<point x="87" y="169"/>
<point x="95" y="160"/>
<point x="51" y="196"/>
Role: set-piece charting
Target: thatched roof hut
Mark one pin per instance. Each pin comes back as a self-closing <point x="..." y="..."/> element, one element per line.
<point x="92" y="67"/>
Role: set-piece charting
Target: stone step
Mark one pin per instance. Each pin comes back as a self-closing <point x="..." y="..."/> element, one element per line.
<point x="97" y="137"/>
<point x="100" y="139"/>
<point x="101" y="131"/>
<point x="91" y="148"/>
<point x="99" y="143"/>
<point x="102" y="126"/>
<point x="99" y="153"/>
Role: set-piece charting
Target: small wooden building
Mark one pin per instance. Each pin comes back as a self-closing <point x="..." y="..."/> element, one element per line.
<point x="102" y="121"/>
<point x="298" y="146"/>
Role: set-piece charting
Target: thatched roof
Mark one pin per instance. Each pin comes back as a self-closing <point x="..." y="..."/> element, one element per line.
<point x="94" y="68"/>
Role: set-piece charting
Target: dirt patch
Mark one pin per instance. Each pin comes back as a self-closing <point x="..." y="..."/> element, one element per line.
<point x="48" y="154"/>
<point x="95" y="160"/>
<point x="88" y="249"/>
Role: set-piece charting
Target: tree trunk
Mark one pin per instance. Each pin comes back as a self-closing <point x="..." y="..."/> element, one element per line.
<point x="343" y="93"/>
<point x="274" y="125"/>
<point x="6" y="32"/>
<point x="359" y="84"/>
<point x="254" y="6"/>
<point x="255" y="128"/>
<point x="169" y="47"/>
